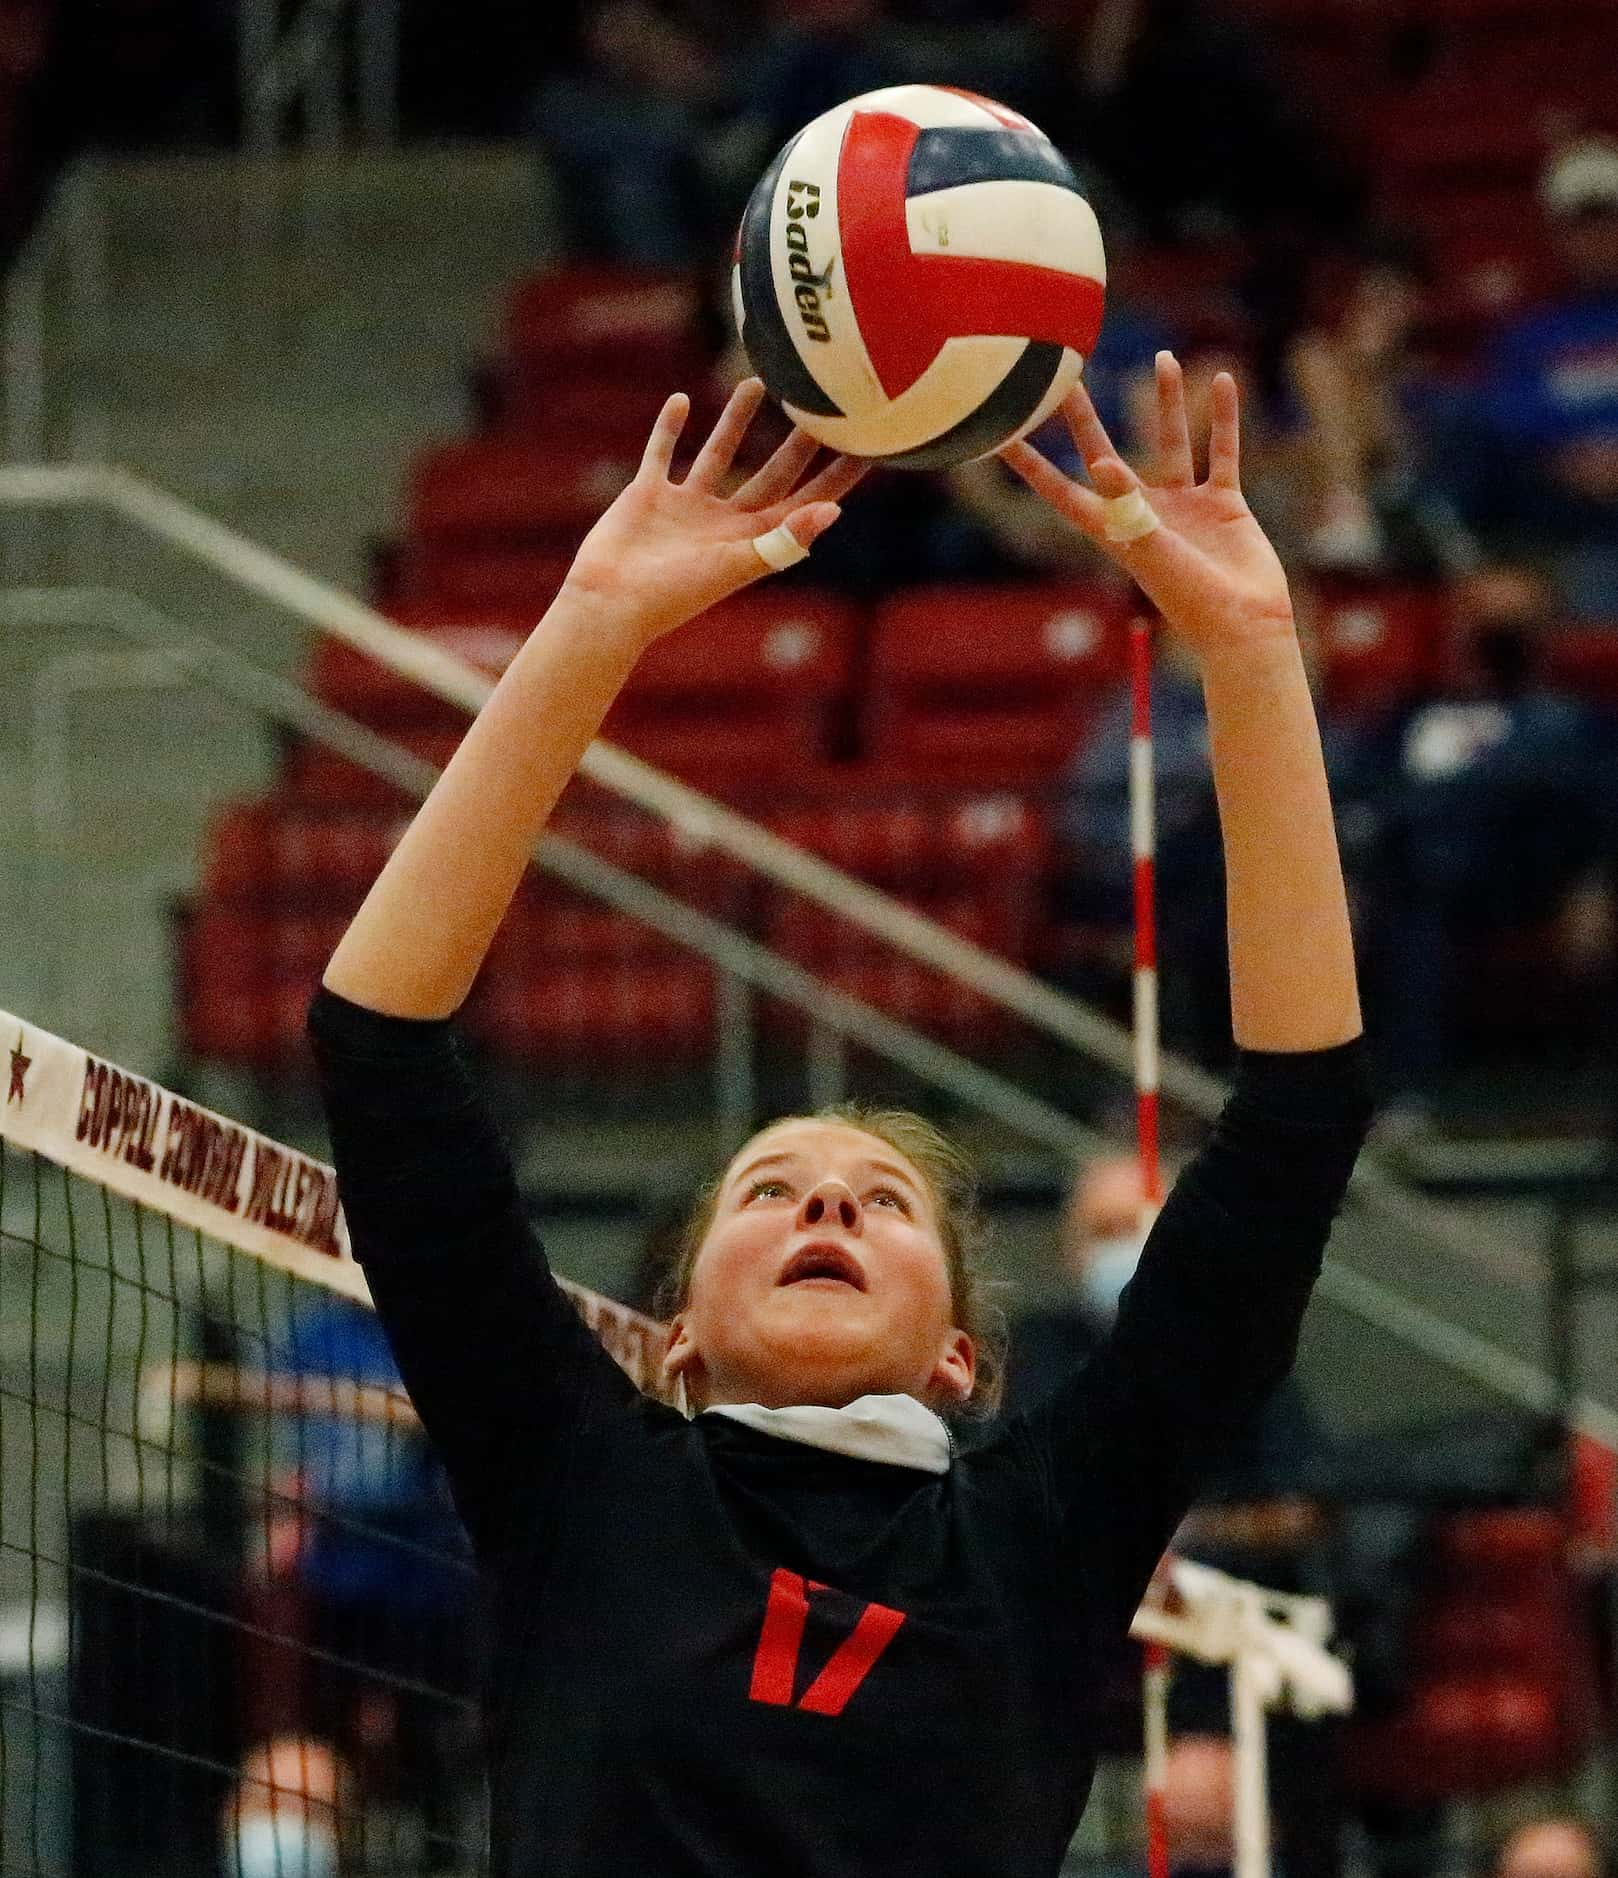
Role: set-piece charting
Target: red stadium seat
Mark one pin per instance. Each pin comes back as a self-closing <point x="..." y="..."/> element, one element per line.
<point x="1484" y="272"/>
<point x="1593" y="1498"/>
<point x="930" y="1001"/>
<point x="267" y="851"/>
<point x="816" y="935"/>
<point x="259" y="1027"/>
<point x="239" y="943"/>
<point x="614" y="406"/>
<point x="1379" y="645"/>
<point x="1501" y="1695"/>
<point x="974" y="865"/>
<point x="752" y="692"/>
<point x="324" y="782"/>
<point x="362" y="687"/>
<point x="440" y="576"/>
<point x="925" y="845"/>
<point x="1584" y="659"/>
<point x="990" y="685"/>
<point x="657" y="1011"/>
<point x="576" y="317"/>
<point x="492" y="492"/>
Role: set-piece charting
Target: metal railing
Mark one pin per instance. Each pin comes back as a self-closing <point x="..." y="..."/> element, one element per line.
<point x="249" y="567"/>
<point x="335" y="63"/>
<point x="171" y="654"/>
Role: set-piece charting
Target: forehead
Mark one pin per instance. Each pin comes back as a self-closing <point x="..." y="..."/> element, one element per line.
<point x="829" y="1144"/>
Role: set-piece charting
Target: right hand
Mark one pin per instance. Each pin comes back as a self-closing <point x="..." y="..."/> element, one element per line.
<point x="666" y="551"/>
<point x="1208" y="567"/>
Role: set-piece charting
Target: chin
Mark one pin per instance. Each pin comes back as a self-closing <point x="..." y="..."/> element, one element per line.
<point x="817" y="1367"/>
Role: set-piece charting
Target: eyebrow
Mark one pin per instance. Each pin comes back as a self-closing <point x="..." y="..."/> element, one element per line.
<point x="783" y="1155"/>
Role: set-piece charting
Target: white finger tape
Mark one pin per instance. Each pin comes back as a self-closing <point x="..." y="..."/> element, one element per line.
<point x="780" y="548"/>
<point x="1128" y="517"/>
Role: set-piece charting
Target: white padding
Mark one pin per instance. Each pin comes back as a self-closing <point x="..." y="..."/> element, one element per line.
<point x="780" y="548"/>
<point x="1129" y="517"/>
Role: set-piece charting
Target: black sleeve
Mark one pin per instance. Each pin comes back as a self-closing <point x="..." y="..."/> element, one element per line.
<point x="1209" y="1324"/>
<point x="502" y="1371"/>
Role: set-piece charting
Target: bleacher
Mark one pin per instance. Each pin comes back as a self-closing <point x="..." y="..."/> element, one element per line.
<point x="918" y="739"/>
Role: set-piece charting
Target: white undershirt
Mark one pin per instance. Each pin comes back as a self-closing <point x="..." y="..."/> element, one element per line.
<point x="896" y="1429"/>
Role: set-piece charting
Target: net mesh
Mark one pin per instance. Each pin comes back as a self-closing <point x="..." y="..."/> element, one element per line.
<point x="238" y="1622"/>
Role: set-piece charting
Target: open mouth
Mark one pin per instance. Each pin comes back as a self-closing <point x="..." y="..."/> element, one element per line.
<point x="823" y="1262"/>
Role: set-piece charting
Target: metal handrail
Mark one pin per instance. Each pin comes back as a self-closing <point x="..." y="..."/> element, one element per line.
<point x="1452" y="1345"/>
<point x="1455" y="1347"/>
<point x="285" y="703"/>
<point x="710" y="823"/>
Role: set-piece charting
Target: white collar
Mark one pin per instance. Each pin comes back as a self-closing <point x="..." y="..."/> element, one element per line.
<point x="896" y="1429"/>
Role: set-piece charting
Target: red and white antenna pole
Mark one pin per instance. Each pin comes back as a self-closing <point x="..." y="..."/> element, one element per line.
<point x="1142" y="827"/>
<point x="1142" y="841"/>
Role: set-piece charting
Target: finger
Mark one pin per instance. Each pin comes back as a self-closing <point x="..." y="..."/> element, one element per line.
<point x="785" y="465"/>
<point x="1088" y="432"/>
<point x="1176" y="466"/>
<point x="1225" y="434"/>
<point x="719" y="452"/>
<point x="659" y="454"/>
<point x="1082" y="507"/>
<point x="1128" y="517"/>
<point x="787" y="544"/>
<point x="829" y="484"/>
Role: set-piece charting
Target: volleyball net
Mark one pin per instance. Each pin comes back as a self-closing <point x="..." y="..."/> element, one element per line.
<point x="238" y="1630"/>
<point x="238" y="1624"/>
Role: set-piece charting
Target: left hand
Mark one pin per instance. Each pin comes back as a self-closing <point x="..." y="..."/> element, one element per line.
<point x="666" y="551"/>
<point x="1208" y="567"/>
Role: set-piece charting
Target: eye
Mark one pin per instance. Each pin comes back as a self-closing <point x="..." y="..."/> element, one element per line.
<point x="893" y="1197"/>
<point x="758" y="1189"/>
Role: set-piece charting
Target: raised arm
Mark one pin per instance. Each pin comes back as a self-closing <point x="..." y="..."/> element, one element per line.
<point x="500" y="1369"/>
<point x="1210" y="1323"/>
<point x="1211" y="572"/>
<point x="663" y="553"/>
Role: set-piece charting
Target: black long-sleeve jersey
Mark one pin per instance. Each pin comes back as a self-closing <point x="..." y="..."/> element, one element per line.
<point x="720" y="1654"/>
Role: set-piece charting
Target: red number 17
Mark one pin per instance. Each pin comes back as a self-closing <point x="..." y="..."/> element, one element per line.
<point x="775" y="1662"/>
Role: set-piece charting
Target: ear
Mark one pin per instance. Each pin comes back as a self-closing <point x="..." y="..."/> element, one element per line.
<point x="681" y="1358"/>
<point x="955" y="1369"/>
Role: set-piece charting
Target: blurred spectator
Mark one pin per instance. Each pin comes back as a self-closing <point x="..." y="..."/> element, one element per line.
<point x="281" y="1819"/>
<point x="1487" y="799"/>
<point x="1257" y="1519"/>
<point x="1199" y="1815"/>
<point x="622" y="124"/>
<point x="812" y="55"/>
<point x="1262" y="1484"/>
<point x="1375" y="505"/>
<point x="1199" y="1803"/>
<point x="1556" y="1847"/>
<point x="381" y="1558"/>
<point x="1174" y="101"/>
<point x="1546" y="477"/>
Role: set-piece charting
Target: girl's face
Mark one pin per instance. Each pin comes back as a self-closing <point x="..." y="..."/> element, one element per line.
<point x="823" y="1278"/>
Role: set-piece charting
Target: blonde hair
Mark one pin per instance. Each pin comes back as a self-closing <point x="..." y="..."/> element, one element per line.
<point x="951" y="1184"/>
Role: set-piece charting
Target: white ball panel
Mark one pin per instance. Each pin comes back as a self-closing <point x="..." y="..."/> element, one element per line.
<point x="1039" y="223"/>
<point x="1067" y="376"/>
<point x="840" y="365"/>
<point x="965" y="372"/>
<point x="927" y="105"/>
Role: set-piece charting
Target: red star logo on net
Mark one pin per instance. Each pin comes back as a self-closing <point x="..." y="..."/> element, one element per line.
<point x="909" y="304"/>
<point x="20" y="1066"/>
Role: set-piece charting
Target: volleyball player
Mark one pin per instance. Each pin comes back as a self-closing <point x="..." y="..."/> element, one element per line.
<point x="801" y="1634"/>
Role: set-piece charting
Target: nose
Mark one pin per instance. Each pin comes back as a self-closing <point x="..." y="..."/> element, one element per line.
<point x="830" y="1202"/>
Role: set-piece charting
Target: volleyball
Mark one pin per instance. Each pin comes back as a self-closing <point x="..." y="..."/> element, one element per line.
<point x="918" y="277"/>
